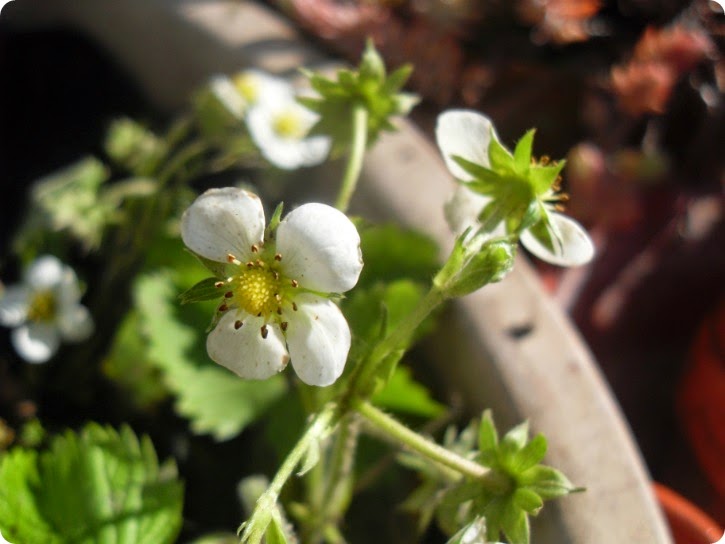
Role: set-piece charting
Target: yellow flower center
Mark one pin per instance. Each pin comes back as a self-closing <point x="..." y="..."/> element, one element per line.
<point x="257" y="291"/>
<point x="42" y="306"/>
<point x="288" y="124"/>
<point x="247" y="86"/>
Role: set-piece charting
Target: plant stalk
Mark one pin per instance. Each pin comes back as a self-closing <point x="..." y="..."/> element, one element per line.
<point x="355" y="158"/>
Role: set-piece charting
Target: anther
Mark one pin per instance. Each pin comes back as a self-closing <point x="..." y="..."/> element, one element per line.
<point x="250" y="264"/>
<point x="275" y="275"/>
<point x="259" y="314"/>
<point x="228" y="294"/>
<point x="294" y="306"/>
<point x="238" y="325"/>
<point x="283" y="325"/>
<point x="264" y="331"/>
<point x="277" y="256"/>
<point x="255" y="248"/>
<point x="218" y="284"/>
<point x="232" y="259"/>
<point x="260" y="263"/>
<point x="279" y="311"/>
<point x="294" y="283"/>
<point x="223" y="308"/>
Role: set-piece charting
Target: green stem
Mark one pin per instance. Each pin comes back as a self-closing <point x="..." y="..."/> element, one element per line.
<point x="257" y="525"/>
<point x="403" y="435"/>
<point x="355" y="157"/>
<point x="396" y="338"/>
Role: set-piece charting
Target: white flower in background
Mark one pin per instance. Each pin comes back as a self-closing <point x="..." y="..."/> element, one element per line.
<point x="45" y="310"/>
<point x="280" y="130"/>
<point x="276" y="306"/>
<point x="467" y="134"/>
<point x="247" y="89"/>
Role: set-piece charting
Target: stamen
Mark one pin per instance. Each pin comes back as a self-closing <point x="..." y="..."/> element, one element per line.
<point x="283" y="325"/>
<point x="218" y="284"/>
<point x="277" y="297"/>
<point x="233" y="260"/>
<point x="264" y="331"/>
<point x="255" y="248"/>
<point x="250" y="264"/>
<point x="275" y="274"/>
<point x="277" y="256"/>
<point x="294" y="283"/>
<point x="279" y="311"/>
<point x="228" y="294"/>
<point x="294" y="306"/>
<point x="238" y="325"/>
<point x="223" y="307"/>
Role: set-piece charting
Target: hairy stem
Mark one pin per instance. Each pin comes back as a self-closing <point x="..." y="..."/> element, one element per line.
<point x="355" y="157"/>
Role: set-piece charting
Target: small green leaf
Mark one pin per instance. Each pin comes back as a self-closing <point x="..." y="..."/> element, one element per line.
<point x="530" y="455"/>
<point x="547" y="482"/>
<point x="522" y="153"/>
<point x="502" y="161"/>
<point x="487" y="434"/>
<point x="528" y="500"/>
<point x="515" y="525"/>
<point x="403" y="394"/>
<point x="204" y="290"/>
<point x="275" y="533"/>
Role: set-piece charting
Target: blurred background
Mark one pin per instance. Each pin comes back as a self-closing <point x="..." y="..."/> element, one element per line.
<point x="630" y="92"/>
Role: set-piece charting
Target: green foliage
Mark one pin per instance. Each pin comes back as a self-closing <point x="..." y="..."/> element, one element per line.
<point x="134" y="147"/>
<point x="370" y="87"/>
<point x="215" y="400"/>
<point x="403" y="394"/>
<point x="98" y="486"/>
<point x="515" y="488"/>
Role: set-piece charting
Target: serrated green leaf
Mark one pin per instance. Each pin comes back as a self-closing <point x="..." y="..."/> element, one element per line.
<point x="217" y="401"/>
<point x="98" y="486"/>
<point x="522" y="152"/>
<point x="206" y="289"/>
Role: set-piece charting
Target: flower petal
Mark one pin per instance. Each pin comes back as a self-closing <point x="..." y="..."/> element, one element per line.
<point x="319" y="340"/>
<point x="320" y="248"/>
<point x="45" y="272"/>
<point x="14" y="305"/>
<point x="244" y="351"/>
<point x="287" y="152"/>
<point x="35" y="342"/>
<point x="467" y="134"/>
<point x="223" y="221"/>
<point x="572" y="245"/>
<point x="75" y="323"/>
<point x="463" y="208"/>
<point x="226" y="93"/>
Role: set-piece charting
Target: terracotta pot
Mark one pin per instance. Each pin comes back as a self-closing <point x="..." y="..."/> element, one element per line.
<point x="689" y="524"/>
<point x="508" y="347"/>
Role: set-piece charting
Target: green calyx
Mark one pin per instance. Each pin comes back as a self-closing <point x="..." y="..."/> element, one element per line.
<point x="370" y="86"/>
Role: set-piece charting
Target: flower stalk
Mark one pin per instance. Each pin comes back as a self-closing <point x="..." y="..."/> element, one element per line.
<point x="355" y="157"/>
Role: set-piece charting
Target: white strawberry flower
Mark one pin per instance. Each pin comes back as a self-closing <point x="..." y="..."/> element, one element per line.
<point x="277" y="303"/>
<point x="280" y="129"/>
<point x="44" y="310"/>
<point x="248" y="88"/>
<point x="467" y="135"/>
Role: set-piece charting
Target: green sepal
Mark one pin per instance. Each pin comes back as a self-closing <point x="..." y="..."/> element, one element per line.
<point x="547" y="482"/>
<point x="528" y="500"/>
<point x="515" y="524"/>
<point x="542" y="177"/>
<point x="487" y="434"/>
<point x="501" y="159"/>
<point x="218" y="269"/>
<point x="275" y="533"/>
<point x="206" y="289"/>
<point x="522" y="152"/>
<point x="274" y="221"/>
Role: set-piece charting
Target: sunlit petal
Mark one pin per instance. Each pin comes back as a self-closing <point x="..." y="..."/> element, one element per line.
<point x="223" y="221"/>
<point x="464" y="133"/>
<point x="319" y="340"/>
<point x="14" y="305"/>
<point x="245" y="350"/>
<point x="320" y="248"/>
<point x="572" y="245"/>
<point x="35" y="342"/>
